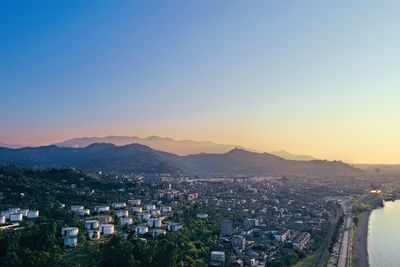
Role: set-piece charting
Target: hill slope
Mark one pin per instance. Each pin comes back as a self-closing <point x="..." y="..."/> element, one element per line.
<point x="142" y="159"/>
<point x="179" y="147"/>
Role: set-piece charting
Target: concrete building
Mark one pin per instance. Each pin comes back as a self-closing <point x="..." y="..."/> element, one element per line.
<point x="107" y="229"/>
<point x="102" y="208"/>
<point x="301" y="240"/>
<point x="158" y="232"/>
<point x="154" y="222"/>
<point x="166" y="209"/>
<point x="69" y="231"/>
<point x="155" y="213"/>
<point x="136" y="209"/>
<point x="119" y="205"/>
<point x="84" y="212"/>
<point x="150" y="207"/>
<point x="24" y="212"/>
<point x="5" y="213"/>
<point x="226" y="228"/>
<point x="92" y="224"/>
<point x="217" y="258"/>
<point x="135" y="202"/>
<point x="173" y="227"/>
<point x="141" y="229"/>
<point x="76" y="208"/>
<point x="70" y="241"/>
<point x="94" y="234"/>
<point x="16" y="217"/>
<point x="202" y="215"/>
<point x="33" y="214"/>
<point x="282" y="235"/>
<point x="143" y="216"/>
<point x="238" y="243"/>
<point x="14" y="210"/>
<point x="122" y="213"/>
<point x="103" y="218"/>
<point x="126" y="221"/>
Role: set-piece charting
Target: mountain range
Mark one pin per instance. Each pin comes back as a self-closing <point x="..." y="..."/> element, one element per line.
<point x="143" y="159"/>
<point x="179" y="147"/>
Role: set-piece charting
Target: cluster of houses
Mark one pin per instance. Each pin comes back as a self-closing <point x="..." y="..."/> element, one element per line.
<point x="149" y="220"/>
<point x="13" y="216"/>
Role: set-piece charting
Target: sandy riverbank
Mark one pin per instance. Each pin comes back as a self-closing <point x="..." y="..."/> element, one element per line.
<point x="360" y="250"/>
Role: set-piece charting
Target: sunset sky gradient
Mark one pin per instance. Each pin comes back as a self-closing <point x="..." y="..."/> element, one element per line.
<point x="310" y="77"/>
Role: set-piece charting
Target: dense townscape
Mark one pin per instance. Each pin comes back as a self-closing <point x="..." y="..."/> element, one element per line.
<point x="68" y="217"/>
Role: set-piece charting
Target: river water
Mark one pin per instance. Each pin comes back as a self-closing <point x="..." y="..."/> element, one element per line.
<point x="384" y="236"/>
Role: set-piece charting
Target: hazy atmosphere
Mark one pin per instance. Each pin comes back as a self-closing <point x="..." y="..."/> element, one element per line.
<point x="309" y="77"/>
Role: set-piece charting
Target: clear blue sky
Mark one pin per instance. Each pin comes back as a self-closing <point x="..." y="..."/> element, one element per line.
<point x="317" y="77"/>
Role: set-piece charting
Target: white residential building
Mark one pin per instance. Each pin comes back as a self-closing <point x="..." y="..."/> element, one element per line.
<point x="69" y="231"/>
<point x="92" y="224"/>
<point x="150" y="207"/>
<point x="70" y="241"/>
<point x="24" y="212"/>
<point x="202" y="215"/>
<point x="141" y="229"/>
<point x="173" y="227"/>
<point x="94" y="234"/>
<point x="16" y="217"/>
<point x="144" y="216"/>
<point x="107" y="229"/>
<point x="166" y="209"/>
<point x="103" y="218"/>
<point x="122" y="213"/>
<point x="126" y="221"/>
<point x="84" y="212"/>
<point x="33" y="214"/>
<point x="136" y="209"/>
<point x="119" y="205"/>
<point x="154" y="222"/>
<point x="158" y="232"/>
<point x="76" y="208"/>
<point x="155" y="213"/>
<point x="135" y="202"/>
<point x="102" y="208"/>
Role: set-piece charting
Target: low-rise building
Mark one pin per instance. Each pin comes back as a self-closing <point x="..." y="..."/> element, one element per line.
<point x="173" y="227"/>
<point x="126" y="221"/>
<point x="158" y="232"/>
<point x="141" y="230"/>
<point x="119" y="205"/>
<point x="154" y="222"/>
<point x="217" y="258"/>
<point x="122" y="213"/>
<point x="282" y="235"/>
<point x="69" y="231"/>
<point x="103" y="218"/>
<point x="301" y="240"/>
<point x="2" y="219"/>
<point x="135" y="202"/>
<point x="33" y="214"/>
<point x="92" y="224"/>
<point x="136" y="209"/>
<point x="107" y="229"/>
<point x="70" y="241"/>
<point x="16" y="217"/>
<point x="94" y="234"/>
<point x="84" y="212"/>
<point x="76" y="208"/>
<point x="150" y="207"/>
<point x="102" y="208"/>
<point x="202" y="215"/>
